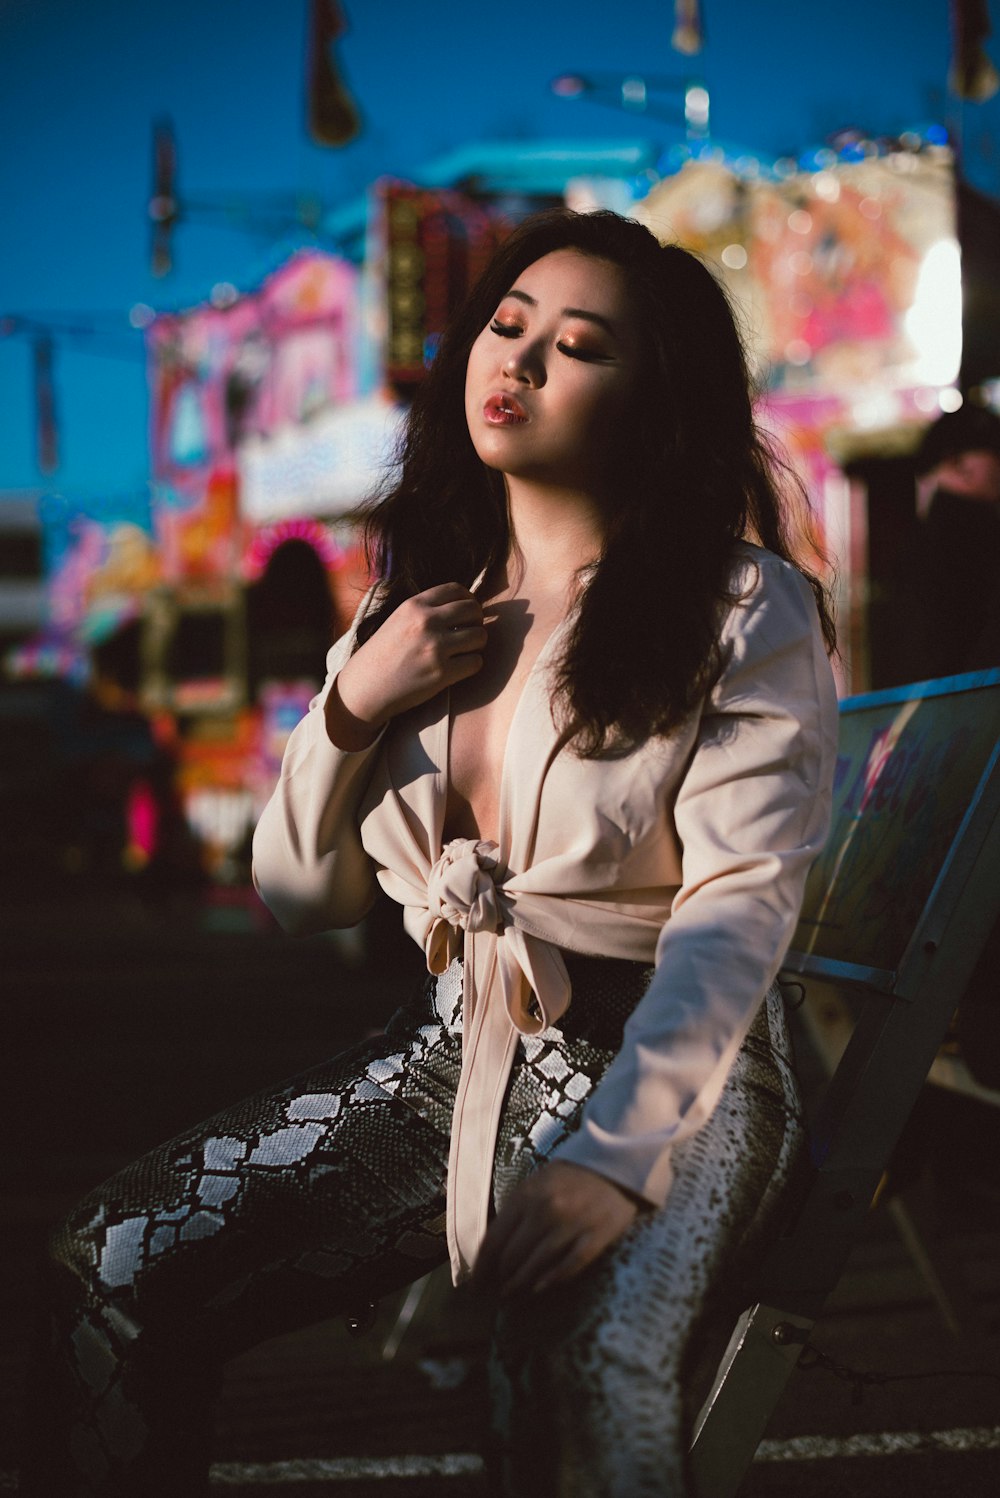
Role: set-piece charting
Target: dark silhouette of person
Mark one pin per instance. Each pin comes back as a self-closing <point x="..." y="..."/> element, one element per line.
<point x="290" y="618"/>
<point x="120" y="815"/>
<point x="949" y="617"/>
<point x="948" y="622"/>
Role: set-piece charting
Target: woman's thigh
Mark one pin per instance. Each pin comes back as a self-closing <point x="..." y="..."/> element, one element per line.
<point x="288" y="1206"/>
<point x="590" y="1379"/>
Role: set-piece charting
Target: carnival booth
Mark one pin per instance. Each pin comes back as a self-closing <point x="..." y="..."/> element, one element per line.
<point x="250" y="398"/>
<point x="845" y="269"/>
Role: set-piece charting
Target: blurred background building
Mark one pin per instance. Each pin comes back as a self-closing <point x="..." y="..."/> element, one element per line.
<point x="174" y="626"/>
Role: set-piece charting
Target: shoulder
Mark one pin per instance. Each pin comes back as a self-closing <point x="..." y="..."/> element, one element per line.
<point x="771" y="599"/>
<point x="756" y="572"/>
<point x="371" y="601"/>
<point x="771" y="646"/>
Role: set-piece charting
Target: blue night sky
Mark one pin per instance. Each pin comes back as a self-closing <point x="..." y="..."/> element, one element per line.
<point x="81" y="84"/>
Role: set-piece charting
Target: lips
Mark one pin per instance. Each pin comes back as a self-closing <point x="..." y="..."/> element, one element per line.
<point x="503" y="410"/>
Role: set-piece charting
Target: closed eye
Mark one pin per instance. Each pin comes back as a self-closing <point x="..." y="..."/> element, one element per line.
<point x="571" y="350"/>
<point x="591" y="356"/>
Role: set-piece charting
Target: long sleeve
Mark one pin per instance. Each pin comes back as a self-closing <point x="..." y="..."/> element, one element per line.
<point x="309" y="866"/>
<point x="751" y="815"/>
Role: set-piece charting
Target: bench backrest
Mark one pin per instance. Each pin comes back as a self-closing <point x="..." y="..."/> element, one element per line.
<point x="912" y="793"/>
<point x="898" y="907"/>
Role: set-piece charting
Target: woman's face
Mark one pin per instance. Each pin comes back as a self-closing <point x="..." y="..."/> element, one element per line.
<point x="549" y="378"/>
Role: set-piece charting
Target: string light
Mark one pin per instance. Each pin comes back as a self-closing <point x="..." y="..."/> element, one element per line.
<point x="817" y="162"/>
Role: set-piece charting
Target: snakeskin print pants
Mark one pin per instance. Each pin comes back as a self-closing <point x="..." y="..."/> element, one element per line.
<point x="308" y="1200"/>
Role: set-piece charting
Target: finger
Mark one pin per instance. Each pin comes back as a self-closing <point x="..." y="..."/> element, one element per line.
<point x="543" y="1264"/>
<point x="529" y="1246"/>
<point x="458" y="613"/>
<point x="584" y="1251"/>
<point x="484" y="1270"/>
<point x="503" y="1231"/>
<point x="462" y="638"/>
<point x="461" y="667"/>
<point x="444" y="593"/>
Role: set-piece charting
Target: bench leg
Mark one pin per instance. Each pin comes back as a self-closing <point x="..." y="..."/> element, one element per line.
<point x="764" y="1348"/>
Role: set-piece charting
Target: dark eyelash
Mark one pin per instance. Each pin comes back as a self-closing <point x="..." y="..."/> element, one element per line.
<point x="513" y="330"/>
<point x="587" y="355"/>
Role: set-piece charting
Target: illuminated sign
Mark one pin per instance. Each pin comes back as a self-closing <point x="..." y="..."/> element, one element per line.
<point x="436" y="245"/>
<point x="326" y="468"/>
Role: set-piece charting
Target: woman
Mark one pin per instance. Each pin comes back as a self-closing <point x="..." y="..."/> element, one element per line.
<point x="582" y="731"/>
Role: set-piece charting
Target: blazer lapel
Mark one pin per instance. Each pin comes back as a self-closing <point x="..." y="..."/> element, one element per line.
<point x="417" y="766"/>
<point x="532" y="742"/>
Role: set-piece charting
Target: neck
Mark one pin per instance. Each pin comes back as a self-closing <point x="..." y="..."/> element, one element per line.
<point x="554" y="533"/>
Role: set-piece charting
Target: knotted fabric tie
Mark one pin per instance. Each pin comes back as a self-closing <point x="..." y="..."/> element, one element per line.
<point x="461" y="897"/>
<point x="512" y="983"/>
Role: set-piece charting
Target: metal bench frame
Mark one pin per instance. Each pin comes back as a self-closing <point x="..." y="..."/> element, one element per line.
<point x="906" y="1010"/>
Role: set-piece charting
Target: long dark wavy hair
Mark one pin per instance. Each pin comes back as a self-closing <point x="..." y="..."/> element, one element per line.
<point x="694" y="476"/>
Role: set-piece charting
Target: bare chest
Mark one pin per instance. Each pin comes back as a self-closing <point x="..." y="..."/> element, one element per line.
<point x="482" y="712"/>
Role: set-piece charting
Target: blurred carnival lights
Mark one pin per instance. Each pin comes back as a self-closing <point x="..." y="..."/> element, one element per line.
<point x="696" y="105"/>
<point x="634" y="93"/>
<point x="224" y="294"/>
<point x="734" y="257"/>
<point x="685" y="100"/>
<point x="927" y="400"/>
<point x="934" y="321"/>
<point x="875" y="409"/>
<point x="826" y="186"/>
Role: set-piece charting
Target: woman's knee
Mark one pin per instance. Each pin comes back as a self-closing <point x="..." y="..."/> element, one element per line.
<point x="74" y="1245"/>
<point x="101" y="1249"/>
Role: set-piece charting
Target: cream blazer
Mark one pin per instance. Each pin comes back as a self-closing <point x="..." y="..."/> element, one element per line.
<point x="690" y="852"/>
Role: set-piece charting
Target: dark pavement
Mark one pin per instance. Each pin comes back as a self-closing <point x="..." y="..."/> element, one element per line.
<point x="128" y="1017"/>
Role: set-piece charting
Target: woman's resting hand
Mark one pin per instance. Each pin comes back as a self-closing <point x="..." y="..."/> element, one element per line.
<point x="551" y="1227"/>
<point x="428" y="643"/>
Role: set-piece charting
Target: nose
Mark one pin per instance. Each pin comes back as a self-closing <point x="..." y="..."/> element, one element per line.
<point x="523" y="362"/>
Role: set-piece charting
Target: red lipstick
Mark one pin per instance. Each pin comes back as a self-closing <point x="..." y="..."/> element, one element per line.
<point x="502" y="410"/>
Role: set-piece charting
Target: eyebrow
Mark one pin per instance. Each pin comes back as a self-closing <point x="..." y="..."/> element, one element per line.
<point x="594" y="317"/>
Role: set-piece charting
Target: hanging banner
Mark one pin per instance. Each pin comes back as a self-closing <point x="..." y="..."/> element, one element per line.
<point x="332" y="113"/>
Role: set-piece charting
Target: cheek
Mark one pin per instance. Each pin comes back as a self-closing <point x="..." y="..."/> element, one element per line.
<point x="605" y="415"/>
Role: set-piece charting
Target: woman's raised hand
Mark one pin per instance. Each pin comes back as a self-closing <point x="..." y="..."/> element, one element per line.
<point x="428" y="643"/>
